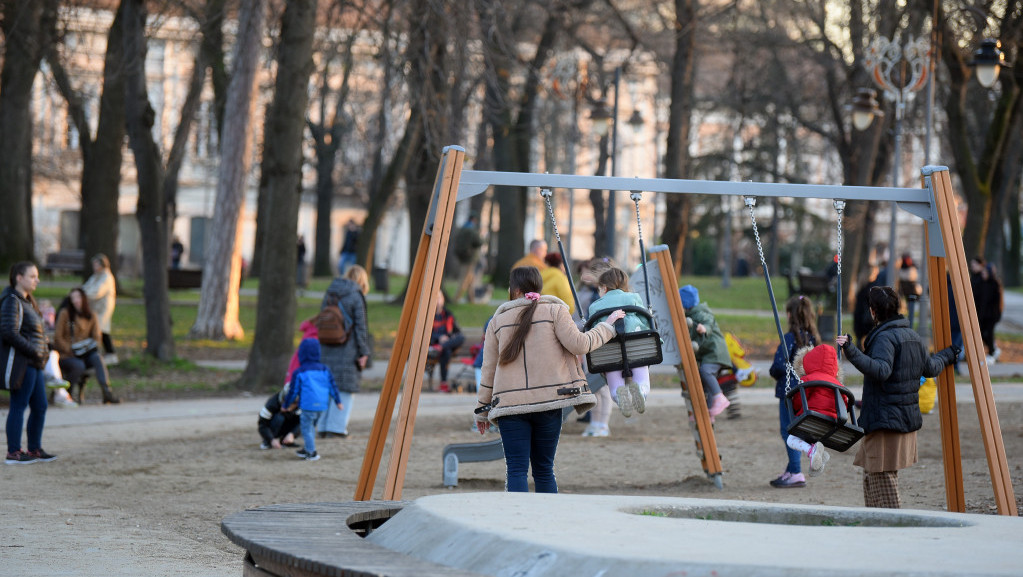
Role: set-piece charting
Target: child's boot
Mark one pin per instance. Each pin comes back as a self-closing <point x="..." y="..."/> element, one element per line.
<point x="819" y="458"/>
<point x="625" y="401"/>
<point x="638" y="400"/>
<point x="718" y="404"/>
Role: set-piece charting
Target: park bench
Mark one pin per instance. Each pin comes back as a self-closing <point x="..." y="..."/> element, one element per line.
<point x="65" y="261"/>
<point x="184" y="278"/>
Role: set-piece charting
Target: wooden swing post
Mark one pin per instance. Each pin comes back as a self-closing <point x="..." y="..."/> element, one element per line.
<point x="962" y="291"/>
<point x="413" y="336"/>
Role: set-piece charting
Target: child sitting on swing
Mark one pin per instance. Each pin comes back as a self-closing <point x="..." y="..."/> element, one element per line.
<point x="819" y="363"/>
<point x="613" y="287"/>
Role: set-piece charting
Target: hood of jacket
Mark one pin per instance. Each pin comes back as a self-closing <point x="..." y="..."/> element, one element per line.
<point x="343" y="287"/>
<point x="818" y="363"/>
<point x="309" y="351"/>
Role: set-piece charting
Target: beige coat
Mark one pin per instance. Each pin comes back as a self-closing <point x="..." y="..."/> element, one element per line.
<point x="547" y="363"/>
<point x="102" y="292"/>
<point x="83" y="329"/>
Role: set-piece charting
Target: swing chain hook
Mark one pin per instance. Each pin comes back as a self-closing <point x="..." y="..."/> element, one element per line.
<point x="546" y="193"/>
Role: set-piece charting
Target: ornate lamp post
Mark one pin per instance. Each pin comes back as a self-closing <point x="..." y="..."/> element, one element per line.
<point x="899" y="71"/>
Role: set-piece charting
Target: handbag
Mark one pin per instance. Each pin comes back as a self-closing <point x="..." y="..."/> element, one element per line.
<point x="84" y="347"/>
<point x="12" y="364"/>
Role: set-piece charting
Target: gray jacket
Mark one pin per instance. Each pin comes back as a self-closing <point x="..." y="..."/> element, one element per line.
<point x="342" y="359"/>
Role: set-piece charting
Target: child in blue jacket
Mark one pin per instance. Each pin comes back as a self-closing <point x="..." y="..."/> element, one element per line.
<point x="613" y="287"/>
<point x="313" y="385"/>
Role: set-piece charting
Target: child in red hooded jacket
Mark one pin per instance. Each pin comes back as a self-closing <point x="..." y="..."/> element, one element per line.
<point x="819" y="363"/>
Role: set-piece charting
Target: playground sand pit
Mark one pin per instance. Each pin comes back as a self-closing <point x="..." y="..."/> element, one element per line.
<point x="124" y="497"/>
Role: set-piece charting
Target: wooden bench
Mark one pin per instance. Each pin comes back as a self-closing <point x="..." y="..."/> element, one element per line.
<point x="184" y="278"/>
<point x="65" y="261"/>
<point x="313" y="539"/>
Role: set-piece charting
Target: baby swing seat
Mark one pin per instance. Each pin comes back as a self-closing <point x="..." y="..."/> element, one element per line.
<point x="839" y="432"/>
<point x="625" y="350"/>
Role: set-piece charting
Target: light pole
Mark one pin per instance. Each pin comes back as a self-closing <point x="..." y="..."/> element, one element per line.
<point x="603" y="122"/>
<point x="887" y="63"/>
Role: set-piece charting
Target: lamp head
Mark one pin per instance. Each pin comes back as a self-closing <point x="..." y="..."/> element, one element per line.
<point x="600" y="116"/>
<point x="865" y="108"/>
<point x="988" y="60"/>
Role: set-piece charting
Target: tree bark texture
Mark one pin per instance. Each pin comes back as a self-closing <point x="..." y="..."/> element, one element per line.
<point x="282" y="174"/>
<point x="28" y="27"/>
<point x="152" y="206"/>
<point x="217" y="317"/>
<point x="677" y="162"/>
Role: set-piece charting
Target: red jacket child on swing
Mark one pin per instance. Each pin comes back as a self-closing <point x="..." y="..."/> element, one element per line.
<point x="819" y="363"/>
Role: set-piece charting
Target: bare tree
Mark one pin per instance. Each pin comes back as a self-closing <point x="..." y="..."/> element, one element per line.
<point x="152" y="206"/>
<point x="28" y="28"/>
<point x="102" y="154"/>
<point x="217" y="317"/>
<point x="282" y="176"/>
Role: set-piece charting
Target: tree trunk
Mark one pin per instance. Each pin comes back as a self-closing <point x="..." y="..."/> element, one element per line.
<point x="326" y="153"/>
<point x="217" y="317"/>
<point x="152" y="207"/>
<point x="282" y="174"/>
<point x="677" y="161"/>
<point x="28" y="27"/>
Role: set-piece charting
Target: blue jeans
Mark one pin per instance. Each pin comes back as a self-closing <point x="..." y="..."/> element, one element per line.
<point x="347" y="259"/>
<point x="32" y="395"/>
<point x="794" y="456"/>
<point x="307" y="422"/>
<point x="709" y="377"/>
<point x="531" y="438"/>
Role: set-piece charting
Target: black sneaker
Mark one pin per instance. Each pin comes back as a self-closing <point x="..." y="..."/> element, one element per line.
<point x="314" y="456"/>
<point x="42" y="455"/>
<point x="301" y="453"/>
<point x="20" y="458"/>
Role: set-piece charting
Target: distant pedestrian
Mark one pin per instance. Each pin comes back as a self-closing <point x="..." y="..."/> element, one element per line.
<point x="987" y="293"/>
<point x="534" y="258"/>
<point x="555" y="281"/>
<point x="23" y="356"/>
<point x="300" y="274"/>
<point x="177" y="250"/>
<point x="349" y="246"/>
<point x="909" y="285"/>
<point x="346" y="361"/>
<point x="312" y="388"/>
<point x="101" y="288"/>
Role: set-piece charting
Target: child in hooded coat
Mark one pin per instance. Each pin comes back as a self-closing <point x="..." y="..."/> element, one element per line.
<point x="819" y="363"/>
<point x="313" y="385"/>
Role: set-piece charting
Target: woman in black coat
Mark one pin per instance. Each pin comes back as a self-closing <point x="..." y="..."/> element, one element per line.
<point x="892" y="361"/>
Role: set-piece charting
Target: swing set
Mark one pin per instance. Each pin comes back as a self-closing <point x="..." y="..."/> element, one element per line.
<point x="934" y="203"/>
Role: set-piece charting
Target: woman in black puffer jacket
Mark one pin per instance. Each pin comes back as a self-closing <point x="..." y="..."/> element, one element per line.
<point x="892" y="363"/>
<point x="24" y="356"/>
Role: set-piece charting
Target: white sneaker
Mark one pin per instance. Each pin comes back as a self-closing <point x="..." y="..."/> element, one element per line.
<point x="638" y="400"/>
<point x="601" y="431"/>
<point x="997" y="353"/>
<point x="819" y="458"/>
<point x="625" y="401"/>
<point x="111" y="359"/>
<point x="589" y="431"/>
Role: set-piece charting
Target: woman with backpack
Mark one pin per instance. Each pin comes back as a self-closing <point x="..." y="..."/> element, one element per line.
<point x="347" y="358"/>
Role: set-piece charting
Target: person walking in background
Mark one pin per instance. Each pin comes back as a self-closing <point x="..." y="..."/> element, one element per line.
<point x="312" y="388"/>
<point x="802" y="333"/>
<point x="349" y="246"/>
<point x="76" y="337"/>
<point x="987" y="293"/>
<point x="346" y="361"/>
<point x="300" y="274"/>
<point x="177" y="250"/>
<point x="445" y="339"/>
<point x="909" y="285"/>
<point x="600" y="415"/>
<point x="534" y="258"/>
<point x="555" y="281"/>
<point x="531" y="373"/>
<point x="23" y="355"/>
<point x="101" y="288"/>
<point x="892" y="361"/>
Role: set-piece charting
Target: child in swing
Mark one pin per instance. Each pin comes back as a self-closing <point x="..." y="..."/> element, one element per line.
<point x="819" y="363"/>
<point x="802" y="333"/>
<point x="613" y="288"/>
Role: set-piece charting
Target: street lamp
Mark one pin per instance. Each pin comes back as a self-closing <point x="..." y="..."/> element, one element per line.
<point x="865" y="108"/>
<point x="887" y="63"/>
<point x="988" y="60"/>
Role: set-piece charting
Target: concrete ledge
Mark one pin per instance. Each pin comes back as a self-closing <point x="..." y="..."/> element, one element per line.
<point x="587" y="535"/>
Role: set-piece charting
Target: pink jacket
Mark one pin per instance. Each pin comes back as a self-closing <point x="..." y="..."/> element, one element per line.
<point x="308" y="332"/>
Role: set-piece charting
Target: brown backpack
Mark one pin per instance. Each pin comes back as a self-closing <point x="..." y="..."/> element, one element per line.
<point x="332" y="324"/>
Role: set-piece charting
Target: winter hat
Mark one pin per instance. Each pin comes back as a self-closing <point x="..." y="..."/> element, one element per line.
<point x="689" y="295"/>
<point x="819" y="363"/>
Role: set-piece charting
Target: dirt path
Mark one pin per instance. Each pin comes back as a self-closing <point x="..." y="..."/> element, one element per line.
<point x="141" y="489"/>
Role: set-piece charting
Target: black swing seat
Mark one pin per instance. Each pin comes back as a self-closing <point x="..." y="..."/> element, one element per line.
<point x="838" y="433"/>
<point x="626" y="350"/>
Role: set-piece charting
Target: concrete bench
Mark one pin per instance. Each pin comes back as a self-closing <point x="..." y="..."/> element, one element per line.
<point x="456" y="453"/>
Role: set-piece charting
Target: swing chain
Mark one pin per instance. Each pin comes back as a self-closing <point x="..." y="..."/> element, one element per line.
<point x="636" y="196"/>
<point x="751" y="203"/>
<point x="840" y="209"/>
<point x="546" y="194"/>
